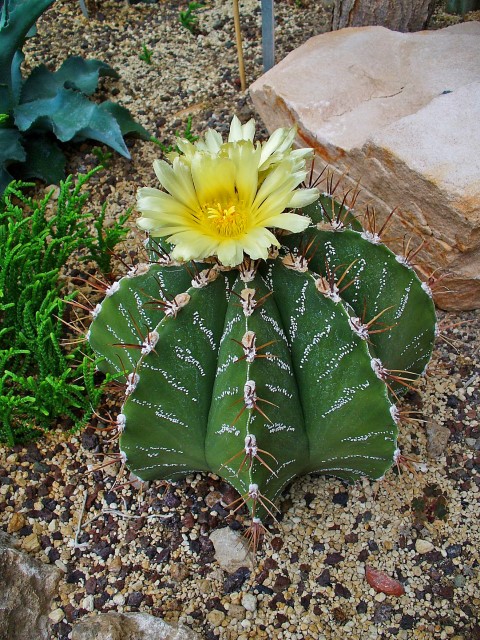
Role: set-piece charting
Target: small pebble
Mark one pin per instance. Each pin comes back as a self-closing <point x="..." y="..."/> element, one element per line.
<point x="119" y="599"/>
<point x="56" y="615"/>
<point x="249" y="602"/>
<point x="423" y="546"/>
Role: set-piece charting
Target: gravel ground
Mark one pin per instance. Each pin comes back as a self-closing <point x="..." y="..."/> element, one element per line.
<point x="127" y="551"/>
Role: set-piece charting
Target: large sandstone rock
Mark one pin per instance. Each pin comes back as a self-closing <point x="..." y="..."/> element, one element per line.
<point x="27" y="588"/>
<point x="129" y="626"/>
<point x="401" y="113"/>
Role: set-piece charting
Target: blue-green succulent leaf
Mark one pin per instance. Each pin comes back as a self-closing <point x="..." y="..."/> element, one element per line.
<point x="11" y="150"/>
<point x="71" y="115"/>
<point x="125" y="121"/>
<point x="44" y="160"/>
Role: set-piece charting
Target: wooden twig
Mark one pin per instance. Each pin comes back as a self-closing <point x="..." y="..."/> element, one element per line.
<point x="238" y="35"/>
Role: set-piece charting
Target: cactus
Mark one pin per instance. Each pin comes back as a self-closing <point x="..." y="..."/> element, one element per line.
<point x="287" y="363"/>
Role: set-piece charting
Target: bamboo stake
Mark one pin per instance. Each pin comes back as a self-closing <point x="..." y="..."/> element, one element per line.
<point x="238" y="35"/>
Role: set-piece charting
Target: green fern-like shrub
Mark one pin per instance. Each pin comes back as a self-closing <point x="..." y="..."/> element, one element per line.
<point x="39" y="381"/>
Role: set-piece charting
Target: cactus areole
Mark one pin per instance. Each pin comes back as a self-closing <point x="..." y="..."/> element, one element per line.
<point x="259" y="344"/>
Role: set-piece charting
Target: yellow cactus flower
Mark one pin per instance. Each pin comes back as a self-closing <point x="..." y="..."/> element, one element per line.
<point x="224" y="199"/>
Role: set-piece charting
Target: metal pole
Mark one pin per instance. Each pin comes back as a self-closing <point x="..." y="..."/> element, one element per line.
<point x="268" y="37"/>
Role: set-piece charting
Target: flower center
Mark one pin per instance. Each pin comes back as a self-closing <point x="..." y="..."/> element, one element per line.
<point x="227" y="220"/>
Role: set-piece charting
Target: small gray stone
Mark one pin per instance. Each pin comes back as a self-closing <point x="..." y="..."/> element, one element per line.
<point x="231" y="550"/>
<point x="249" y="602"/>
<point x="125" y="626"/>
<point x="437" y="438"/>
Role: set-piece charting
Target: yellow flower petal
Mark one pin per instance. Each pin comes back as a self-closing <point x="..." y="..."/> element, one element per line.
<point x="213" y="177"/>
<point x="290" y="222"/>
<point x="241" y="132"/>
<point x="224" y="198"/>
<point x="177" y="180"/>
<point x="302" y="197"/>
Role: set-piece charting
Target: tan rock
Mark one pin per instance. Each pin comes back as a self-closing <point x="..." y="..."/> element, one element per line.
<point x="116" y="565"/>
<point x="399" y="113"/>
<point x="16" y="522"/>
<point x="56" y="615"/>
<point x="31" y="543"/>
<point x="27" y="589"/>
<point x="231" y="550"/>
<point x="423" y="546"/>
<point x="126" y="626"/>
<point x="178" y="572"/>
<point x="236" y="611"/>
<point x="215" y="617"/>
<point x="437" y="439"/>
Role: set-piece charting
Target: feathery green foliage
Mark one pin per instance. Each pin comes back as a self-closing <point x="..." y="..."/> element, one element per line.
<point x="146" y="54"/>
<point x="40" y="382"/>
<point x="186" y="135"/>
<point x="188" y="18"/>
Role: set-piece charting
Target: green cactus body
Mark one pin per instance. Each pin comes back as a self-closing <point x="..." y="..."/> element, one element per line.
<point x="268" y="371"/>
<point x="252" y="353"/>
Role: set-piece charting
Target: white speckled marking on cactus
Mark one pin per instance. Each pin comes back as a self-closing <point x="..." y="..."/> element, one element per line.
<point x="155" y="452"/>
<point x="165" y="465"/>
<point x="278" y="471"/>
<point x="229" y="327"/>
<point x="403" y="302"/>
<point x="228" y="428"/>
<point x="199" y="322"/>
<point x="228" y="392"/>
<point x="353" y="472"/>
<point x="173" y="382"/>
<point x="359" y="267"/>
<point x="381" y="288"/>
<point x="313" y="343"/>
<point x="275" y="427"/>
<point x="276" y="327"/>
<point x="131" y="326"/>
<point x="142" y="403"/>
<point x="366" y="436"/>
<point x="281" y="364"/>
<point x="300" y="310"/>
<point x="285" y="482"/>
<point x="231" y="359"/>
<point x="277" y="389"/>
<point x="414" y="343"/>
<point x="348" y="396"/>
<point x="334" y="363"/>
<point x="140" y="308"/>
<point x="165" y="415"/>
<point x="185" y="355"/>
